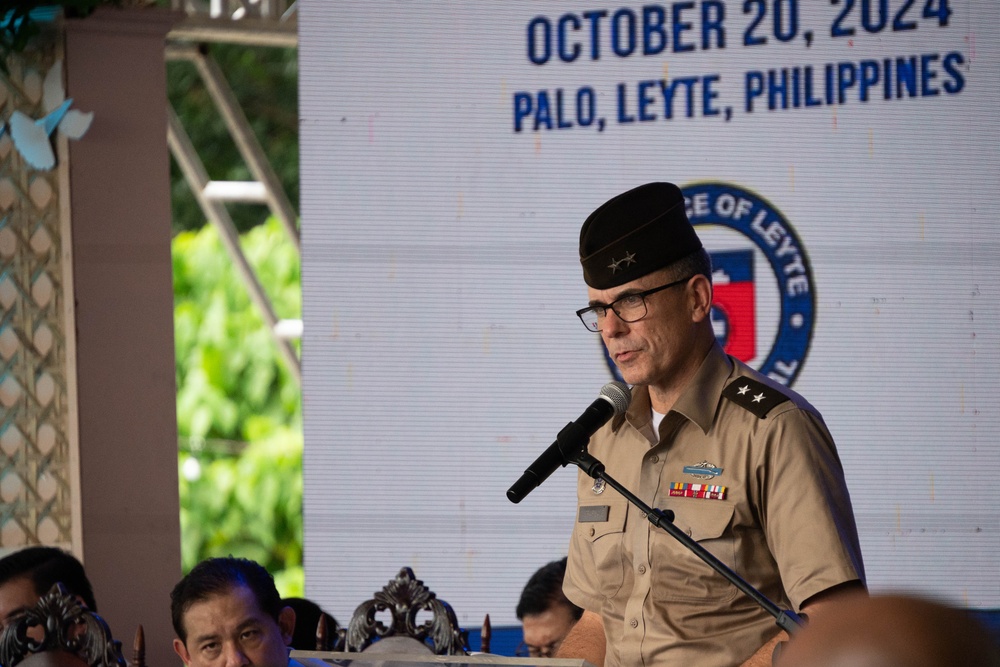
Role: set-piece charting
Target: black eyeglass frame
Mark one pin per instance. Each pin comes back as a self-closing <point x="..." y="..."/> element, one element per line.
<point x="611" y="306"/>
<point x="524" y="650"/>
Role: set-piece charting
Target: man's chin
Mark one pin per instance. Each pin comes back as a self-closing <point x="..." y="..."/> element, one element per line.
<point x="632" y="368"/>
<point x="631" y="377"/>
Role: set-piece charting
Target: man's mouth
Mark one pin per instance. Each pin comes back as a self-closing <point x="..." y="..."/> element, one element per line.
<point x="624" y="356"/>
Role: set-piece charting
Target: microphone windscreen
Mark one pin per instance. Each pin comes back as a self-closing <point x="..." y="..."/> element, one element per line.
<point x="619" y="394"/>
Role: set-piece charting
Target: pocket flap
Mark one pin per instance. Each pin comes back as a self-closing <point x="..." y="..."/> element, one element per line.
<point x="589" y="519"/>
<point x="703" y="519"/>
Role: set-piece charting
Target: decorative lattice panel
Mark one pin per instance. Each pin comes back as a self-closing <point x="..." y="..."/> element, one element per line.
<point x="36" y="472"/>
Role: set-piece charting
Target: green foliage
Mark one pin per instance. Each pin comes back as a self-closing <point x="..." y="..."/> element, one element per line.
<point x="238" y="408"/>
<point x="231" y="381"/>
<point x="250" y="506"/>
<point x="265" y="82"/>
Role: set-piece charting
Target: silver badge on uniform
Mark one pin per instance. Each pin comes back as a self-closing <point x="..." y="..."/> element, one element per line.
<point x="703" y="470"/>
<point x="598" y="487"/>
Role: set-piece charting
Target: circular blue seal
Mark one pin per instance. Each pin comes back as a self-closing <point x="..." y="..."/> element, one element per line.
<point x="748" y="309"/>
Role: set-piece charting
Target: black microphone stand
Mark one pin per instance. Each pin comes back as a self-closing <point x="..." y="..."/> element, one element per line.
<point x="786" y="619"/>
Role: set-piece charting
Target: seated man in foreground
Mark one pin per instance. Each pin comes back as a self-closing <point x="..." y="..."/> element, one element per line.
<point x="891" y="631"/>
<point x="227" y="611"/>
<point x="546" y="615"/>
<point x="28" y="574"/>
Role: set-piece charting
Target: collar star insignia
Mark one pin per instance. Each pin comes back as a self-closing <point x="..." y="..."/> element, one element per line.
<point x="754" y="396"/>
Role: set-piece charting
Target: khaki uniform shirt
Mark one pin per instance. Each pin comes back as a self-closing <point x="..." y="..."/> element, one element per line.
<point x="784" y="524"/>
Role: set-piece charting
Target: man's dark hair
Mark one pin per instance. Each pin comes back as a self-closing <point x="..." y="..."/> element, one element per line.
<point x="544" y="590"/>
<point x="45" y="566"/>
<point x="217" y="576"/>
<point x="697" y="263"/>
<point x="307" y="615"/>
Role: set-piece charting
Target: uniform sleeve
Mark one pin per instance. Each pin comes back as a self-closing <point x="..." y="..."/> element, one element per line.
<point x="578" y="585"/>
<point x="805" y="508"/>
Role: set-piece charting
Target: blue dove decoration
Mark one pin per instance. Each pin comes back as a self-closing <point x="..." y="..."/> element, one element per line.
<point x="32" y="137"/>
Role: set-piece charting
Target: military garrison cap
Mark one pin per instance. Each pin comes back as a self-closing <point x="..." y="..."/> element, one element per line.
<point x="635" y="233"/>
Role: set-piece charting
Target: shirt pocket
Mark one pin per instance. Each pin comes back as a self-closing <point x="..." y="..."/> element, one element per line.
<point x="605" y="541"/>
<point x="680" y="575"/>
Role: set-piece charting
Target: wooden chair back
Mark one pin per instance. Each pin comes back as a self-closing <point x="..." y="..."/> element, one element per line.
<point x="68" y="631"/>
<point x="404" y="597"/>
<point x="139" y="648"/>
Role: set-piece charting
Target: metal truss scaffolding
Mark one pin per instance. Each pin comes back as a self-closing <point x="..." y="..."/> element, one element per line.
<point x="254" y="23"/>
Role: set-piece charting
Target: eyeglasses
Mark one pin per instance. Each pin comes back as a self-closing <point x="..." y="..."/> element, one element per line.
<point x="528" y="651"/>
<point x="629" y="308"/>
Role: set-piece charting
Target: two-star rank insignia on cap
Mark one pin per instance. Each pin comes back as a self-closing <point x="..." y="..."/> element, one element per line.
<point x="754" y="396"/>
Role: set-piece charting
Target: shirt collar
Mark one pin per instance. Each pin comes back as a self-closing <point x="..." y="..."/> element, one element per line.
<point x="638" y="413"/>
<point x="699" y="400"/>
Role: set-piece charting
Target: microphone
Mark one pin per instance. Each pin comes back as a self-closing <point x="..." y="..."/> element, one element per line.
<point x="613" y="401"/>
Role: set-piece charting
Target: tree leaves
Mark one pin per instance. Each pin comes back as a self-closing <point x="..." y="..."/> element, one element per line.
<point x="238" y="408"/>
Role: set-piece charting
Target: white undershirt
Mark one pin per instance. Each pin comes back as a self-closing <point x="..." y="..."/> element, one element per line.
<point x="657" y="418"/>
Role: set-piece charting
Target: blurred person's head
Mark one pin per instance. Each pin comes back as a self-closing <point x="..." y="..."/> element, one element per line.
<point x="890" y="631"/>
<point x="546" y="615"/>
<point x="227" y="613"/>
<point x="307" y="615"/>
<point x="28" y="574"/>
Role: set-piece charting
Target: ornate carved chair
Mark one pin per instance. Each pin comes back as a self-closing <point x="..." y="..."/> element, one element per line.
<point x="71" y="636"/>
<point x="139" y="648"/>
<point x="404" y="597"/>
<point x="328" y="638"/>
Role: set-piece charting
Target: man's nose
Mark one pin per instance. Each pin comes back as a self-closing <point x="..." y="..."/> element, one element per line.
<point x="613" y="325"/>
<point x="235" y="656"/>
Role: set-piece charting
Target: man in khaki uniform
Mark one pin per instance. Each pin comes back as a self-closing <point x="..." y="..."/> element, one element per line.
<point x="746" y="465"/>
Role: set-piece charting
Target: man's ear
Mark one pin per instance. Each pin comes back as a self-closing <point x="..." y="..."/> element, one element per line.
<point x="701" y="298"/>
<point x="286" y="621"/>
<point x="181" y="650"/>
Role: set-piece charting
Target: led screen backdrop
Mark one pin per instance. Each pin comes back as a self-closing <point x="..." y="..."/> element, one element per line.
<point x="841" y="162"/>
